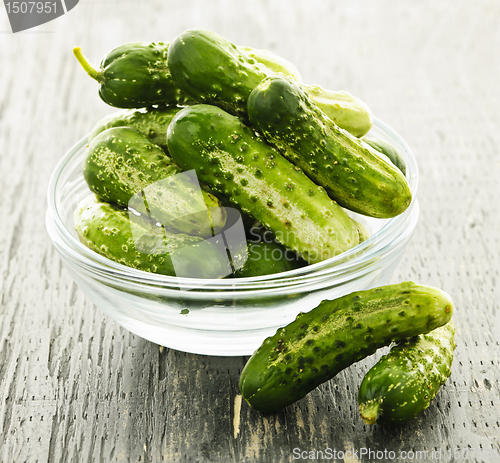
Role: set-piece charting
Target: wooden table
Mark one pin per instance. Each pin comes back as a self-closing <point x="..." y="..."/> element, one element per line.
<point x="75" y="386"/>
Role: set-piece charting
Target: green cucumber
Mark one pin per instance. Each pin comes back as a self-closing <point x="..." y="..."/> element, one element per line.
<point x="352" y="172"/>
<point x="135" y="75"/>
<point x="234" y="162"/>
<point x="123" y="167"/>
<point x="267" y="258"/>
<point x="152" y="122"/>
<point x="272" y="62"/>
<point x="337" y="333"/>
<point x="347" y="111"/>
<point x="403" y="383"/>
<point x="213" y="70"/>
<point x="388" y="150"/>
<point x="138" y="243"/>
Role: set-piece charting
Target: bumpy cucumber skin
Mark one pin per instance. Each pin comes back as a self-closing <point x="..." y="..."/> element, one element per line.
<point x="267" y="259"/>
<point x="152" y="122"/>
<point x="388" y="150"/>
<point x="347" y="111"/>
<point x="107" y="230"/>
<point x="272" y="62"/>
<point x="354" y="175"/>
<point x="136" y="75"/>
<point x="233" y="161"/>
<point x="213" y="70"/>
<point x="403" y="382"/>
<point x="337" y="333"/>
<point x="121" y="163"/>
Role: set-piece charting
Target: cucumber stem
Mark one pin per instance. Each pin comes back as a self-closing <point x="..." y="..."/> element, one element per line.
<point x="91" y="71"/>
<point x="370" y="410"/>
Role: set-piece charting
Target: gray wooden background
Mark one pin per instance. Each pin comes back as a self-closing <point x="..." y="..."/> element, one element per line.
<point x="74" y="386"/>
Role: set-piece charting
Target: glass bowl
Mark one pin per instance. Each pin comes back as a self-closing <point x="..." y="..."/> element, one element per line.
<point x="226" y="316"/>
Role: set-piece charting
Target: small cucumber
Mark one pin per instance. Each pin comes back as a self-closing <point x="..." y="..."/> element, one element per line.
<point x="152" y="122"/>
<point x="213" y="70"/>
<point x="352" y="172"/>
<point x="135" y="75"/>
<point x="266" y="259"/>
<point x="390" y="151"/>
<point x="123" y="167"/>
<point x="347" y="111"/>
<point x="403" y="382"/>
<point x="138" y="243"/>
<point x="337" y="333"/>
<point x="234" y="162"/>
<point x="272" y="62"/>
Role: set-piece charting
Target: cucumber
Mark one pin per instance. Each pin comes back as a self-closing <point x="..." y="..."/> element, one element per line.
<point x="123" y="167"/>
<point x="234" y="162"/>
<point x="138" y="243"/>
<point x="152" y="122"/>
<point x="135" y="75"/>
<point x="403" y="382"/>
<point x="390" y="151"/>
<point x="341" y="107"/>
<point x="272" y="62"/>
<point x="352" y="172"/>
<point x="347" y="111"/>
<point x="267" y="258"/>
<point x="213" y="70"/>
<point x="337" y="333"/>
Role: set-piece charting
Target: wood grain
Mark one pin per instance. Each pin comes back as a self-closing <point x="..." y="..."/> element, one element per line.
<point x="74" y="386"/>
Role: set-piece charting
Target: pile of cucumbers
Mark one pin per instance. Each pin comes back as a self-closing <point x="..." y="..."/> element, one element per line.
<point x="207" y="127"/>
<point x="285" y="154"/>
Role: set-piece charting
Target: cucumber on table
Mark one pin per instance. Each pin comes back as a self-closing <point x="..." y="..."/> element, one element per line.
<point x="354" y="175"/>
<point x="403" y="383"/>
<point x="140" y="244"/>
<point x="233" y="161"/>
<point x="123" y="167"/>
<point x="135" y="75"/>
<point x="334" y="335"/>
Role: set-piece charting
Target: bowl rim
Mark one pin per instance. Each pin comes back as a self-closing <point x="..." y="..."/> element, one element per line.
<point x="340" y="264"/>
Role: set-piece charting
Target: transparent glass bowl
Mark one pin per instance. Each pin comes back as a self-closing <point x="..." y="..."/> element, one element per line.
<point x="228" y="316"/>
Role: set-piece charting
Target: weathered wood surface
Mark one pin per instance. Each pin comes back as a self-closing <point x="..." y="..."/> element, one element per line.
<point x="74" y="386"/>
